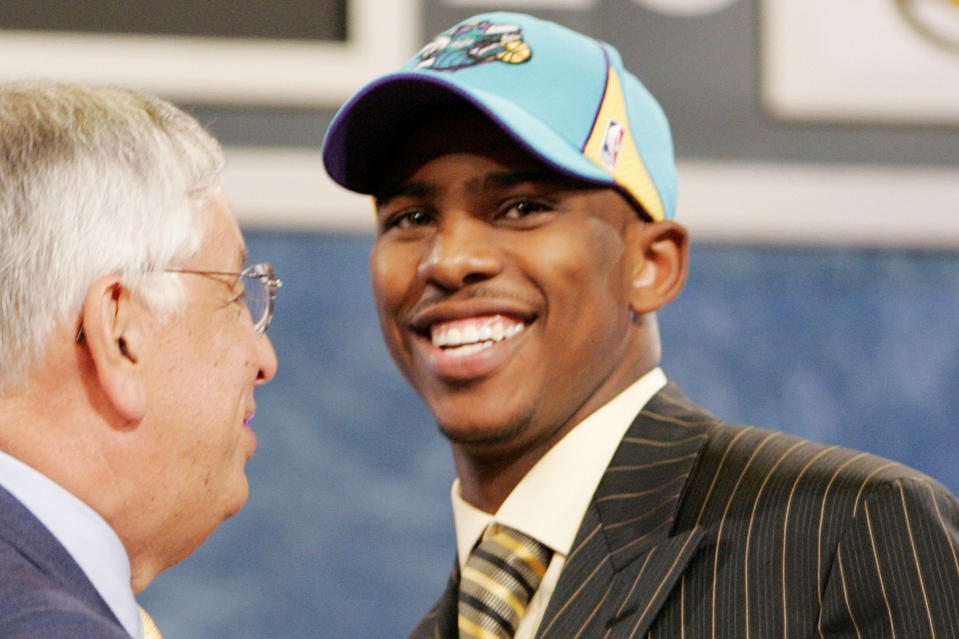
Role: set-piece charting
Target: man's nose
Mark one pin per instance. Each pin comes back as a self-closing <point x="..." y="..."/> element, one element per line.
<point x="266" y="359"/>
<point x="462" y="251"/>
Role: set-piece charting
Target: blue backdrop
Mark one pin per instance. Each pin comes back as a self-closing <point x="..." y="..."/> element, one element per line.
<point x="347" y="532"/>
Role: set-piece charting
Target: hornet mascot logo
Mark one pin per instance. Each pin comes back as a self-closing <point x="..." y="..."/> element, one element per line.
<point x="475" y="43"/>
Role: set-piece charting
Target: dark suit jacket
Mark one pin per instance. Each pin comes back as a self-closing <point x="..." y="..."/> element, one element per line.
<point x="704" y="529"/>
<point x="43" y="592"/>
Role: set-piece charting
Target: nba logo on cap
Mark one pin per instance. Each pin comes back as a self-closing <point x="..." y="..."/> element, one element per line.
<point x="612" y="144"/>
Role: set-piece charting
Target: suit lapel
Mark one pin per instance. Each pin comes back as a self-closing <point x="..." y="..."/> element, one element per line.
<point x="440" y="622"/>
<point x="23" y="531"/>
<point x="627" y="557"/>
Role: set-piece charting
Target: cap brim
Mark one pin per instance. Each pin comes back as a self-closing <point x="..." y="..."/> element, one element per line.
<point x="364" y="132"/>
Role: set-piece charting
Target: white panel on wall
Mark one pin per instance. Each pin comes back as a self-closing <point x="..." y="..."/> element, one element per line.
<point x="820" y="204"/>
<point x="674" y="7"/>
<point x="486" y="5"/>
<point x="380" y="37"/>
<point x="686" y="7"/>
<point x="870" y="60"/>
<point x="733" y="202"/>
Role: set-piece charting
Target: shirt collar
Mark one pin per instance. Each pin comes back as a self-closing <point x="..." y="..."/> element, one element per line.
<point x="88" y="538"/>
<point x="550" y="501"/>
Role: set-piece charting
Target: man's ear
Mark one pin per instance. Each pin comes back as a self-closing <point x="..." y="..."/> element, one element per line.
<point x="113" y="330"/>
<point x="660" y="264"/>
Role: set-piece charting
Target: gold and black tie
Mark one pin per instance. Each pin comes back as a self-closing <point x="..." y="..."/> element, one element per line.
<point x="499" y="579"/>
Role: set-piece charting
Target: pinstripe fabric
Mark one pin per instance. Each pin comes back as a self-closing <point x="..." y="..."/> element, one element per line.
<point x="703" y="529"/>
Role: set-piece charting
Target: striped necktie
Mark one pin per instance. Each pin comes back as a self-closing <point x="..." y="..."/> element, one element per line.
<point x="150" y="630"/>
<point x="499" y="579"/>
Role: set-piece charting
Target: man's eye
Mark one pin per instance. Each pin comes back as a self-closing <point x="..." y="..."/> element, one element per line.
<point x="407" y="219"/>
<point x="521" y="209"/>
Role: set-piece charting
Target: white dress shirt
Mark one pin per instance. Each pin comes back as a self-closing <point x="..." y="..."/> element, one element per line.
<point x="83" y="532"/>
<point x="549" y="503"/>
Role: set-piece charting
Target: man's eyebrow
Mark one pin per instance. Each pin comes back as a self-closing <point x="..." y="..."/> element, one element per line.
<point x="497" y="180"/>
<point x="522" y="176"/>
<point x="409" y="189"/>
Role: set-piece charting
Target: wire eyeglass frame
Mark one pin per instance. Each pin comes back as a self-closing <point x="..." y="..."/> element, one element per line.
<point x="260" y="300"/>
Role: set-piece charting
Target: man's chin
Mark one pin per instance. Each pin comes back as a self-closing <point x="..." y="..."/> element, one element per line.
<point x="239" y="500"/>
<point x="483" y="436"/>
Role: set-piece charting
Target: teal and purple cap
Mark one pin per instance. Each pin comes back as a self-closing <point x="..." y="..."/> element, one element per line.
<point x="563" y="96"/>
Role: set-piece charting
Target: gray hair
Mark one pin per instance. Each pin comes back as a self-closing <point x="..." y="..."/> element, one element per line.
<point x="93" y="181"/>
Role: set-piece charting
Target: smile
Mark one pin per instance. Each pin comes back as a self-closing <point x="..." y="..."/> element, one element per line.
<point x="470" y="335"/>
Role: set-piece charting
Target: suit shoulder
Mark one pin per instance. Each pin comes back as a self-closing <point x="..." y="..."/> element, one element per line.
<point x="45" y="611"/>
<point x="754" y="449"/>
<point x="59" y="623"/>
<point x="32" y="604"/>
<point x="758" y="466"/>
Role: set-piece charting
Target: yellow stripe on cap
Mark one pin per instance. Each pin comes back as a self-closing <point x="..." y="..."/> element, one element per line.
<point x="621" y="159"/>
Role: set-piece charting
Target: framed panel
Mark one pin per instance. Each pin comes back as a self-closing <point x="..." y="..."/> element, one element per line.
<point x="231" y="70"/>
<point x="874" y="60"/>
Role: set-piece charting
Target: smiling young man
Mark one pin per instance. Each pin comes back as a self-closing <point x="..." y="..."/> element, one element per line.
<point x="525" y="189"/>
<point x="133" y="341"/>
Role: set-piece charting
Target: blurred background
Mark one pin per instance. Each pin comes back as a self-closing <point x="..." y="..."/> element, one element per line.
<point x="818" y="150"/>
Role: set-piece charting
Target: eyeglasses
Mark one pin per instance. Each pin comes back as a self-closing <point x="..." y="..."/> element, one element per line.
<point x="259" y="295"/>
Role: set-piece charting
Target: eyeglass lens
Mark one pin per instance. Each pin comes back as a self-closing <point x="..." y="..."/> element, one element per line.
<point x="260" y="284"/>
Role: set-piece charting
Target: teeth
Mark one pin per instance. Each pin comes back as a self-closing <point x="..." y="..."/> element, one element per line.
<point x="470" y="336"/>
<point x="469" y="349"/>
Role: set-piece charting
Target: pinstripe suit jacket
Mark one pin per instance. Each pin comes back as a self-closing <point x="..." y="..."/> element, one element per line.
<point x="705" y="529"/>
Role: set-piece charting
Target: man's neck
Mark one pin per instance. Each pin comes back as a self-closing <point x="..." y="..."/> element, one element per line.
<point x="487" y="477"/>
<point x="488" y="473"/>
